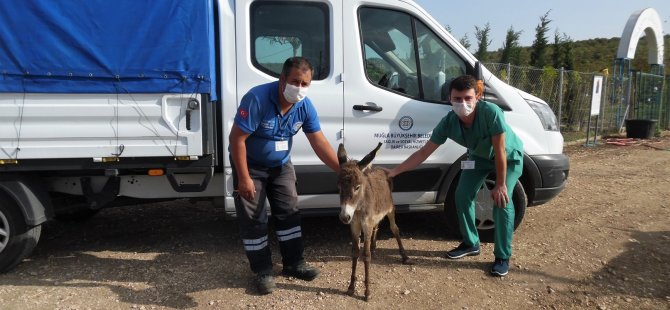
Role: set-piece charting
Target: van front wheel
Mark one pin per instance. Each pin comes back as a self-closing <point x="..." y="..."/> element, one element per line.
<point x="484" y="209"/>
<point x="17" y="240"/>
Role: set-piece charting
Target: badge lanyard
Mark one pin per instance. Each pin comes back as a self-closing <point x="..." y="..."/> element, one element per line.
<point x="470" y="163"/>
<point x="282" y="126"/>
<point x="465" y="141"/>
<point x="282" y="144"/>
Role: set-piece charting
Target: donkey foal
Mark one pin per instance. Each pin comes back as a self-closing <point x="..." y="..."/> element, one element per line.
<point x="365" y="199"/>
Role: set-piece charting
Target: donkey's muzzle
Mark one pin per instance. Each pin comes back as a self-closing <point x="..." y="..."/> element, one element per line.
<point x="345" y="218"/>
<point x="347" y="212"/>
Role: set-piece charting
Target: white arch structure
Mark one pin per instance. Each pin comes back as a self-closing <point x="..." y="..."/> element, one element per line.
<point x="649" y="21"/>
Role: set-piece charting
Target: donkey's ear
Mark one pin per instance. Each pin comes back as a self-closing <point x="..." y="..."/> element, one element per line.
<point x="367" y="160"/>
<point x="341" y="154"/>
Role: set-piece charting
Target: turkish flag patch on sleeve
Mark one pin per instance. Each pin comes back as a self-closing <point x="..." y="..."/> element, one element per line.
<point x="243" y="113"/>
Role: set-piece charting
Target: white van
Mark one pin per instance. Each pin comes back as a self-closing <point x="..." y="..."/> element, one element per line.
<point x="138" y="109"/>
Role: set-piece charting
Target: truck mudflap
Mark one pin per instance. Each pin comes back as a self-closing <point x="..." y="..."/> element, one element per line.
<point x="30" y="195"/>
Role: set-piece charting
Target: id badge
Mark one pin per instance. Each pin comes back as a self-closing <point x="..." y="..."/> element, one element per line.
<point x="468" y="164"/>
<point x="281" y="145"/>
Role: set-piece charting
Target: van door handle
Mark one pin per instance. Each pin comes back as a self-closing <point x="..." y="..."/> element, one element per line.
<point x="374" y="108"/>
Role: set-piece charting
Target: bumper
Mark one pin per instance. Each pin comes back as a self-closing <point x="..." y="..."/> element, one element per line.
<point x="552" y="174"/>
<point x="543" y="195"/>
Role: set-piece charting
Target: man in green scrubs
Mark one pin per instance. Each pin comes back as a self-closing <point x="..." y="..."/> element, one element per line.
<point x="492" y="147"/>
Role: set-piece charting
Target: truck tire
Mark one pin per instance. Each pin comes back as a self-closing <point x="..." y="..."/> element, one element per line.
<point x="484" y="209"/>
<point x="17" y="240"/>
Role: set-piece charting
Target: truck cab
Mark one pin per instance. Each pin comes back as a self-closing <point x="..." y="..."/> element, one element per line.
<point x="382" y="74"/>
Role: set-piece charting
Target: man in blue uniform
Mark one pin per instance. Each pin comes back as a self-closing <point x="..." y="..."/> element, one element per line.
<point x="492" y="147"/>
<point x="260" y="145"/>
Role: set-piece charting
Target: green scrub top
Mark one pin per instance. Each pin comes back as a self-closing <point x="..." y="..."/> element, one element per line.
<point x="489" y="121"/>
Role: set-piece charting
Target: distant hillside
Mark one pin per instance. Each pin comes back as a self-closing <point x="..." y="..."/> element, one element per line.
<point x="596" y="54"/>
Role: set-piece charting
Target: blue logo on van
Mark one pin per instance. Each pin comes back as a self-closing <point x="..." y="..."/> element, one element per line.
<point x="406" y="123"/>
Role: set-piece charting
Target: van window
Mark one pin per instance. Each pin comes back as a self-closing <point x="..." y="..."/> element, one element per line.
<point x="401" y="54"/>
<point x="277" y="35"/>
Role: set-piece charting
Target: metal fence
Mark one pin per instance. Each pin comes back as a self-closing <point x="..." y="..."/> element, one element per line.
<point x="569" y="95"/>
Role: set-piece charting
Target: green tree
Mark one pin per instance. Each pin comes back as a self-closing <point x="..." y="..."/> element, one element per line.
<point x="557" y="54"/>
<point x="511" y="50"/>
<point x="568" y="53"/>
<point x="465" y="41"/>
<point x="563" y="52"/>
<point x="483" y="42"/>
<point x="538" y="54"/>
<point x="594" y="55"/>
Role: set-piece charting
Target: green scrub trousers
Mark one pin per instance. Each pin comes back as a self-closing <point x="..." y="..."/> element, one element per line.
<point x="469" y="184"/>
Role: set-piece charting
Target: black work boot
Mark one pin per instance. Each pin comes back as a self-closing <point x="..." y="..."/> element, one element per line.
<point x="264" y="283"/>
<point x="301" y="271"/>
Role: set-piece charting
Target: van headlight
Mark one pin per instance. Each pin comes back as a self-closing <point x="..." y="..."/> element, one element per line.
<point x="546" y="115"/>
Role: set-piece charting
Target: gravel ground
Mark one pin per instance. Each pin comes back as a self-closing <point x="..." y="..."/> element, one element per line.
<point x="603" y="243"/>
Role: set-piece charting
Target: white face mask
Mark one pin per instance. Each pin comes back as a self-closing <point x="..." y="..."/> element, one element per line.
<point x="294" y="93"/>
<point x="462" y="109"/>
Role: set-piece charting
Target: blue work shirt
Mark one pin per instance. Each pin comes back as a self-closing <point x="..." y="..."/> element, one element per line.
<point x="259" y="115"/>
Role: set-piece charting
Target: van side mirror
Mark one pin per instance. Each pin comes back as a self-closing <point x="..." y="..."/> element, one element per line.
<point x="476" y="71"/>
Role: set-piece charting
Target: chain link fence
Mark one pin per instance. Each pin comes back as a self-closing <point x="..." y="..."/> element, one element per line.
<point x="568" y="93"/>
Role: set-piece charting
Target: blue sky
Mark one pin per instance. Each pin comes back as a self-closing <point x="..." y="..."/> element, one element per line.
<point x="579" y="19"/>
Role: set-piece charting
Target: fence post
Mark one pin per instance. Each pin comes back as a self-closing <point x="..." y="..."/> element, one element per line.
<point x="666" y="102"/>
<point x="601" y="115"/>
<point x="560" y="96"/>
<point x="509" y="73"/>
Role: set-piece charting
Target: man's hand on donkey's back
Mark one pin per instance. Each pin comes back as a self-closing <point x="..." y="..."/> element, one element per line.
<point x="389" y="172"/>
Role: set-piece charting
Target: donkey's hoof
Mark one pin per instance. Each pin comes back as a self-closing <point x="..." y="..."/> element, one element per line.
<point x="351" y="291"/>
<point x="367" y="297"/>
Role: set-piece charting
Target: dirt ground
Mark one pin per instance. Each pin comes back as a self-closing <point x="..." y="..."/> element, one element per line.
<point x="604" y="243"/>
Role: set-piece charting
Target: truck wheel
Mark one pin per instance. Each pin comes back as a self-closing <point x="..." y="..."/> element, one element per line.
<point x="17" y="240"/>
<point x="484" y="209"/>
